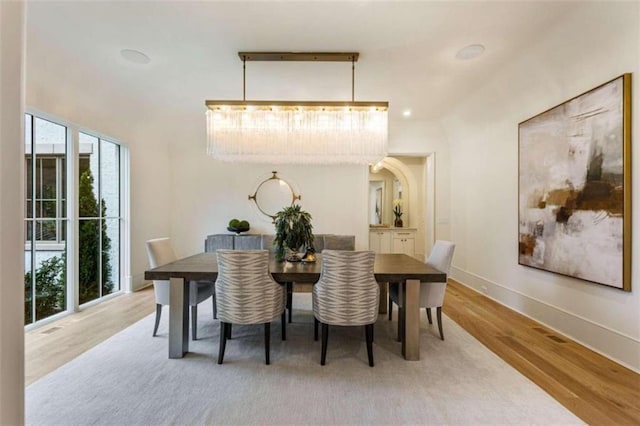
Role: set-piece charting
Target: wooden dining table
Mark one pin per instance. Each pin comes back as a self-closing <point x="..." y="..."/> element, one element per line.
<point x="394" y="268"/>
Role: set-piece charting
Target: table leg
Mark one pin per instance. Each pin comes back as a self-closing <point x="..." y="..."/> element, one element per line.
<point x="290" y="299"/>
<point x="178" y="317"/>
<point x="411" y="335"/>
<point x="382" y="307"/>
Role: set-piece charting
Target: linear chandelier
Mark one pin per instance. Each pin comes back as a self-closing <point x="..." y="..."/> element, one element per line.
<point x="314" y="132"/>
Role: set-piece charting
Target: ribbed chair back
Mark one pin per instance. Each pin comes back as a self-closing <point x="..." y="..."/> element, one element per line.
<point x="248" y="242"/>
<point x="245" y="291"/>
<point x="339" y="242"/>
<point x="347" y="293"/>
<point x="217" y="242"/>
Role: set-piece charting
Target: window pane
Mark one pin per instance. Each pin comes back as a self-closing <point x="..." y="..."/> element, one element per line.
<point x="38" y="182"/>
<point x="89" y="260"/>
<point x="63" y="185"/>
<point x="53" y="135"/>
<point x="88" y="186"/>
<point x="62" y="226"/>
<point x="48" y="208"/>
<point x="29" y="178"/>
<point x="46" y="230"/>
<point x="49" y="177"/>
<point x="110" y="178"/>
<point x="50" y="283"/>
<point x="28" y="276"/>
<point x="28" y="234"/>
<point x="110" y="256"/>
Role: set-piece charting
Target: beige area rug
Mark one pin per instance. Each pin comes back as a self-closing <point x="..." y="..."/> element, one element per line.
<point x="129" y="380"/>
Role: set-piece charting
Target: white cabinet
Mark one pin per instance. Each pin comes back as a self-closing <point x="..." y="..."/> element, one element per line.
<point x="393" y="240"/>
<point x="380" y="241"/>
<point x="404" y="242"/>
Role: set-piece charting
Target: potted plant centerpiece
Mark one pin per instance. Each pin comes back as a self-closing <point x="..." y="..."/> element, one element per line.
<point x="293" y="232"/>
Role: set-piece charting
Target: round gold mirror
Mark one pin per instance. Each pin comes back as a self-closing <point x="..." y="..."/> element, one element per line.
<point x="273" y="194"/>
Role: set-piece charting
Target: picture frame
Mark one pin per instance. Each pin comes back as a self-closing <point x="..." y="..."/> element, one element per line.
<point x="574" y="187"/>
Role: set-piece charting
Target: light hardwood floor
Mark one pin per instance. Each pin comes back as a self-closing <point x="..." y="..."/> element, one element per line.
<point x="594" y="388"/>
<point x="55" y="344"/>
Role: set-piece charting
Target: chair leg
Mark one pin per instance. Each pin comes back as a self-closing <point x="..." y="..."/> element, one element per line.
<point x="229" y="331"/>
<point x="368" y="329"/>
<point x="315" y="329"/>
<point x="215" y="306"/>
<point x="283" y="320"/>
<point x="428" y="310"/>
<point x="390" y="309"/>
<point x="158" y="313"/>
<point x="223" y="341"/>
<point x="439" y="316"/>
<point x="325" y="337"/>
<point x="290" y="299"/>
<point x="194" y="322"/>
<point x="267" y="341"/>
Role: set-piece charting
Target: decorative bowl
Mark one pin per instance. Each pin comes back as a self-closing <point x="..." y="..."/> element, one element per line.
<point x="237" y="230"/>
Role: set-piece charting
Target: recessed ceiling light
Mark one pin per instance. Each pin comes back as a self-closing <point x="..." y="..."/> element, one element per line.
<point x="470" y="52"/>
<point x="406" y="113"/>
<point x="135" y="56"/>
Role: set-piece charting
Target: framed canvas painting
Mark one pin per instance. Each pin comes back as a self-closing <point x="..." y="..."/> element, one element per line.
<point x="574" y="188"/>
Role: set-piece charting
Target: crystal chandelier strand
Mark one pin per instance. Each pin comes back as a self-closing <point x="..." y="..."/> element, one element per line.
<point x="298" y="135"/>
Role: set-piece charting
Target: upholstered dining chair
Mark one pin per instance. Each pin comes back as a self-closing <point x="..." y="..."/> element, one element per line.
<point x="347" y="294"/>
<point x="160" y="252"/>
<point x="320" y="243"/>
<point x="247" y="294"/>
<point x="431" y="294"/>
<point x="339" y="242"/>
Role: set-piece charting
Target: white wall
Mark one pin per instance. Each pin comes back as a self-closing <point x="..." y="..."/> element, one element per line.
<point x="207" y="193"/>
<point x="12" y="27"/>
<point x="147" y="138"/>
<point x="590" y="47"/>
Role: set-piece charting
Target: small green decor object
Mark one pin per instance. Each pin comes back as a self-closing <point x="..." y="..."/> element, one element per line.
<point x="293" y="232"/>
<point x="238" y="226"/>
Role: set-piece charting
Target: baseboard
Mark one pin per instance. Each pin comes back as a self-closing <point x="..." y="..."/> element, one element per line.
<point x="617" y="346"/>
<point x="138" y="282"/>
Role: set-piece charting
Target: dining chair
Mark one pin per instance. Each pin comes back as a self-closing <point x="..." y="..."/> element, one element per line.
<point x="347" y="294"/>
<point x="218" y="241"/>
<point x="339" y="242"/>
<point x="248" y="242"/>
<point x="431" y="293"/>
<point x="160" y="252"/>
<point x="247" y="294"/>
<point x="321" y="242"/>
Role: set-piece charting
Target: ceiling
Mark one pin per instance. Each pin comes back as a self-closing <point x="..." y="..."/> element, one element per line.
<point x="407" y="50"/>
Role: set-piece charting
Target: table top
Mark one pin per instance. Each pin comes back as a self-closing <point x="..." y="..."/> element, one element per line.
<point x="387" y="268"/>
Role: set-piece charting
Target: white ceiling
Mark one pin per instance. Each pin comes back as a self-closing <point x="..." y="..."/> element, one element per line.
<point x="407" y="49"/>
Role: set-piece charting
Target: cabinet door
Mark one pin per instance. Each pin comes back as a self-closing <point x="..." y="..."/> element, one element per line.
<point x="404" y="242"/>
<point x="380" y="241"/>
<point x="385" y="242"/>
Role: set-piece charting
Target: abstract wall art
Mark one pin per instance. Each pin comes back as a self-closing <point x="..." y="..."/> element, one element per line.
<point x="574" y="189"/>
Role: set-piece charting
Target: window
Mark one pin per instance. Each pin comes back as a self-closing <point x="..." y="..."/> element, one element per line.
<point x="45" y="218"/>
<point x="99" y="211"/>
<point x="49" y="278"/>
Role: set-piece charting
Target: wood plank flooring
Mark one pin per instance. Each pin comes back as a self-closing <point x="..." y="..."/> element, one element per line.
<point x="594" y="388"/>
<point x="53" y="345"/>
<point x="597" y="390"/>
